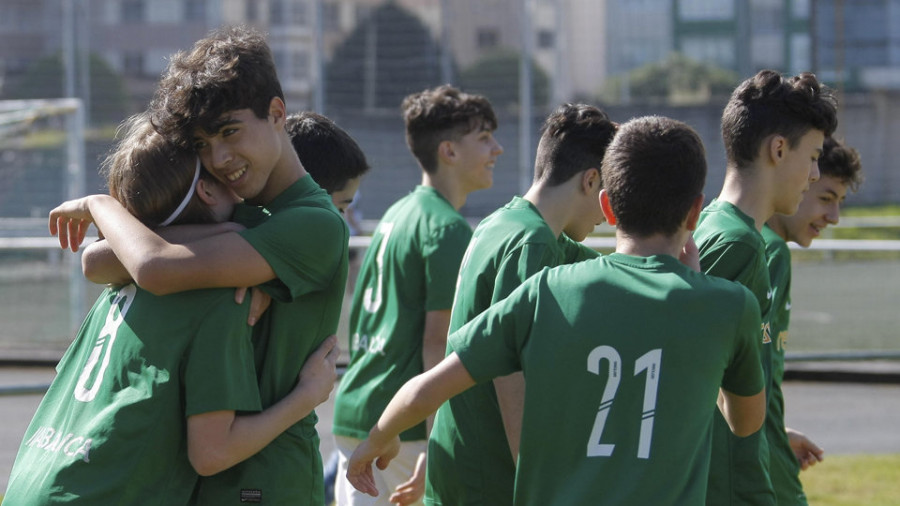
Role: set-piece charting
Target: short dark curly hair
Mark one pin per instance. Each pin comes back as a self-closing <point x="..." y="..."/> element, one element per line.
<point x="443" y="113"/>
<point x="768" y="104"/>
<point x="573" y="139"/>
<point x="326" y="151"/>
<point x="230" y="69"/>
<point x="841" y="162"/>
<point x="653" y="171"/>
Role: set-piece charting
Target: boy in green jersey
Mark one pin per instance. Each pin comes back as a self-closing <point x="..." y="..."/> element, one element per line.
<point x="623" y="355"/>
<point x="773" y="128"/>
<point x="401" y="305"/>
<point x="150" y="386"/>
<point x="223" y="98"/>
<point x="469" y="458"/>
<point x="839" y="171"/>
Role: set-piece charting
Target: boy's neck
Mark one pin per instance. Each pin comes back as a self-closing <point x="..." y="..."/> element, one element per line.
<point x="449" y="187"/>
<point x="656" y="244"/>
<point x="748" y="190"/>
<point x="553" y="203"/>
<point x="287" y="171"/>
<point x="777" y="226"/>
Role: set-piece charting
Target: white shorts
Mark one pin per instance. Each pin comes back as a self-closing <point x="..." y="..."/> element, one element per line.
<point x="399" y="471"/>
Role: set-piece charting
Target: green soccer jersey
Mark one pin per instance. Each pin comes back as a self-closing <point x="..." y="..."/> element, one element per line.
<point x="468" y="455"/>
<point x="732" y="248"/>
<point x="409" y="269"/>
<point x="111" y="428"/>
<point x="304" y="240"/>
<point x="623" y="358"/>
<point x="784" y="468"/>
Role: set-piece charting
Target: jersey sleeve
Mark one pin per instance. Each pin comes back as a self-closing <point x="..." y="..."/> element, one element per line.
<point x="778" y="260"/>
<point x="744" y="374"/>
<point x="304" y="246"/>
<point x="442" y="253"/>
<point x="738" y="261"/>
<point x="518" y="265"/>
<point x="219" y="372"/>
<point x="491" y="344"/>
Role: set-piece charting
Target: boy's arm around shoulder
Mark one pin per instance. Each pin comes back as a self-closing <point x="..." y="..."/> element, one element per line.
<point x="155" y="264"/>
<point x="100" y="265"/>
<point x="416" y="400"/>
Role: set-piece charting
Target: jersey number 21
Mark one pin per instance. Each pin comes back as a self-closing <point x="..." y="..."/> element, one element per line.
<point x="649" y="362"/>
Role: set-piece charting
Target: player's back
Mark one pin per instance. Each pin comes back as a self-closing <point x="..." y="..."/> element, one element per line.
<point x="624" y="363"/>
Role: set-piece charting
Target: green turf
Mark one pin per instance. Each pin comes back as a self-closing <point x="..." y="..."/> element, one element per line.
<point x="853" y="480"/>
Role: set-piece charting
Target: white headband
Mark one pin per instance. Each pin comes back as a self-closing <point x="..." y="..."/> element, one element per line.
<point x="187" y="198"/>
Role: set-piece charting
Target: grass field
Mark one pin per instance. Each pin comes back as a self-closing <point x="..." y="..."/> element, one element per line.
<point x="853" y="480"/>
<point x="850" y="480"/>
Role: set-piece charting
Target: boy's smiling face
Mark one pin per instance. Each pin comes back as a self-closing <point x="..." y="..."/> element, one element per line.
<point x="820" y="207"/>
<point x="242" y="150"/>
<point x="476" y="154"/>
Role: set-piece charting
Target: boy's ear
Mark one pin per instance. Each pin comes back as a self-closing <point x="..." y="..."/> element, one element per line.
<point x="590" y="180"/>
<point x="203" y="191"/>
<point x="694" y="213"/>
<point x="277" y="111"/>
<point x="607" y="208"/>
<point x="446" y="152"/>
<point x="778" y="146"/>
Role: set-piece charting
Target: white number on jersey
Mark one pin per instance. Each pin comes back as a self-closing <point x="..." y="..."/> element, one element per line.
<point x="648" y="362"/>
<point x="372" y="296"/>
<point x="105" y="341"/>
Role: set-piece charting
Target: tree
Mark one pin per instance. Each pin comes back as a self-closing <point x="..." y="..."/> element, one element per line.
<point x="675" y="80"/>
<point x="388" y="56"/>
<point x="496" y="75"/>
<point x="44" y="79"/>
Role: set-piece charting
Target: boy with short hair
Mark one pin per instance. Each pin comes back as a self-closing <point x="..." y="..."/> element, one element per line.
<point x="223" y="98"/>
<point x="624" y="355"/>
<point x="773" y="128"/>
<point x="333" y="159"/>
<point x="840" y="171"/>
<point x="401" y="305"/>
<point x="469" y="458"/>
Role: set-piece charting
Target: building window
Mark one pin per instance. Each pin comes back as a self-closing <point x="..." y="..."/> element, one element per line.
<point x="301" y="65"/>
<point x="487" y="38"/>
<point x="133" y="63"/>
<point x="716" y="50"/>
<point x="281" y="62"/>
<point x="300" y="13"/>
<point x="331" y="16"/>
<point x="800" y="9"/>
<point x="546" y="39"/>
<point x="133" y="11"/>
<point x="276" y="12"/>
<point x="696" y="10"/>
<point x="195" y="10"/>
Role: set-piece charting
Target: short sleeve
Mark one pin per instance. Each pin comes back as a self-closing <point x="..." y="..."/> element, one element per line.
<point x="744" y="375"/>
<point x="491" y="344"/>
<point x="219" y="372"/>
<point x="738" y="261"/>
<point x="442" y="253"/>
<point x="304" y="245"/>
<point x="520" y="264"/>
